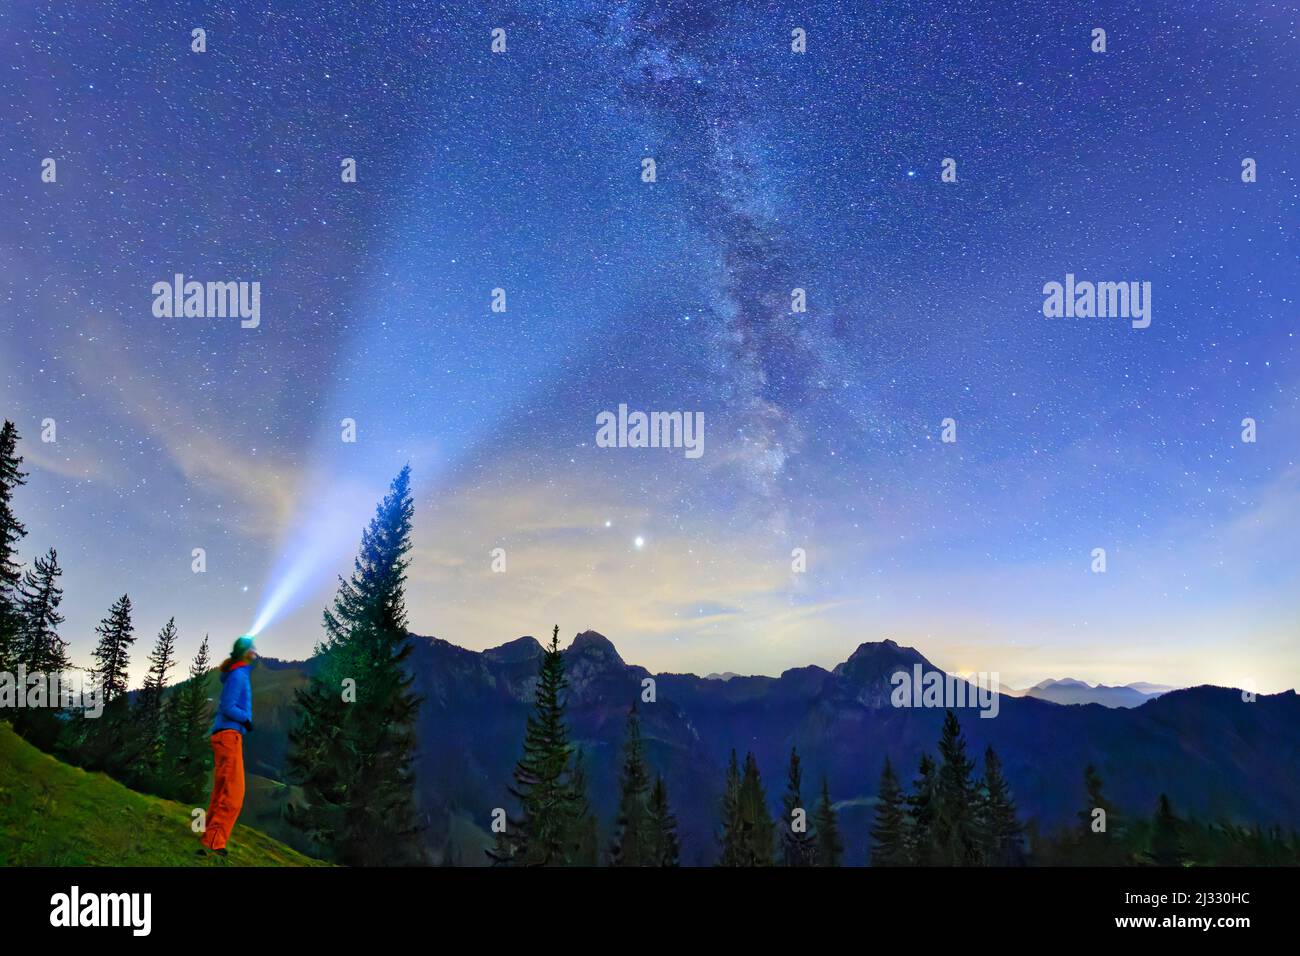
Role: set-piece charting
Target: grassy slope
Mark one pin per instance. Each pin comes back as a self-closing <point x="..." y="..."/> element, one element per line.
<point x="52" y="814"/>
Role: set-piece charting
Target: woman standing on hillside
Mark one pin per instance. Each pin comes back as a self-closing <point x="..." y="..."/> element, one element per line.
<point x="234" y="719"/>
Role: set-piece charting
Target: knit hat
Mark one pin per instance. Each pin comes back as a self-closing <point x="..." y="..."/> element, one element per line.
<point x="241" y="647"/>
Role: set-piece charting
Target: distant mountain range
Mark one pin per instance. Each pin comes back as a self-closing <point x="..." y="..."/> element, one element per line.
<point x="1071" y="691"/>
<point x="1214" y="754"/>
<point x="1067" y="690"/>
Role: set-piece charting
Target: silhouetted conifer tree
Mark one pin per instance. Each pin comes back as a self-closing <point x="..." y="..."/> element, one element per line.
<point x="889" y="836"/>
<point x="732" y="834"/>
<point x="149" y="708"/>
<point x="40" y="650"/>
<point x="1099" y="839"/>
<point x="664" y="847"/>
<point x="748" y="837"/>
<point x="920" y="809"/>
<point x="1002" y="835"/>
<point x="354" y="742"/>
<point x="955" y="830"/>
<point x="830" y="846"/>
<point x="11" y="532"/>
<point x="112" y="654"/>
<point x="798" y="847"/>
<point x="632" y="840"/>
<point x="542" y="834"/>
<point x="188" y="720"/>
<point x="583" y="838"/>
<point x="111" y="741"/>
<point x="1166" y="846"/>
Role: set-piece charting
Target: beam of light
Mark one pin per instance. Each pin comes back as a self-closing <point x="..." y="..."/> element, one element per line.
<point x="315" y="548"/>
<point x="397" y="316"/>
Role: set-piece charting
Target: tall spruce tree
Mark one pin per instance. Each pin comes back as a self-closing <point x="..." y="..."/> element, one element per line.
<point x="798" y="847"/>
<point x="113" y="653"/>
<point x="955" y="829"/>
<point x="830" y="846"/>
<point x="583" y="839"/>
<point x="1099" y="838"/>
<point x="920" y="811"/>
<point x="40" y="648"/>
<point x="149" y="706"/>
<point x="760" y="830"/>
<point x="665" y="850"/>
<point x="1166" y="846"/>
<point x="632" y="839"/>
<point x="353" y="745"/>
<point x="187" y="722"/>
<point x="548" y="805"/>
<point x="732" y="835"/>
<point x="748" y="837"/>
<point x="11" y="532"/>
<point x="889" y="836"/>
<point x="1002" y="835"/>
<point x="111" y="742"/>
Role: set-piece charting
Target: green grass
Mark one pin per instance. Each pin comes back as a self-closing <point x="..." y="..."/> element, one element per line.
<point x="52" y="814"/>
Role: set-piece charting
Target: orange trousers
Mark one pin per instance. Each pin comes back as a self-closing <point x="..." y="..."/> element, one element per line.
<point x="227" y="787"/>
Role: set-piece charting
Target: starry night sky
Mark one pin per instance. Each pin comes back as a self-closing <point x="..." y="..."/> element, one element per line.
<point x="775" y="170"/>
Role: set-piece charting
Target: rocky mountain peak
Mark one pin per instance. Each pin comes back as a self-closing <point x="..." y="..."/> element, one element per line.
<point x="595" y="647"/>
<point x="513" y="652"/>
<point x="866" y="674"/>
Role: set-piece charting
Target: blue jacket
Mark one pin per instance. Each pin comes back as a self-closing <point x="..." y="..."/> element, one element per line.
<point x="236" y="707"/>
